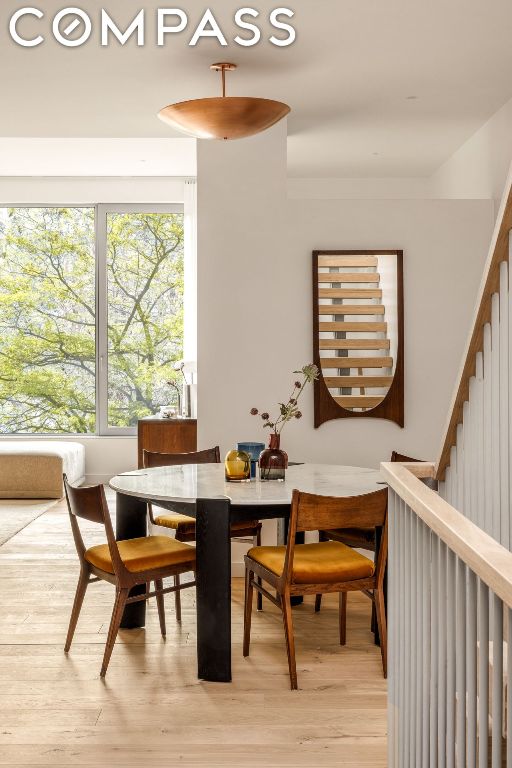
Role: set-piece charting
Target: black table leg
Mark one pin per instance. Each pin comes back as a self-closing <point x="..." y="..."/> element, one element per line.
<point x="131" y="522"/>
<point x="213" y="557"/>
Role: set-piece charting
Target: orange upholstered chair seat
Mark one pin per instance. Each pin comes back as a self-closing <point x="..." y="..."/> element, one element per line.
<point x="143" y="554"/>
<point x="327" y="562"/>
<point x="175" y="520"/>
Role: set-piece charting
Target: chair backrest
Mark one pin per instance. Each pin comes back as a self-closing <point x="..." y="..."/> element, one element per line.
<point x="89" y="503"/>
<point x="153" y="459"/>
<point x="395" y="456"/>
<point x="310" y="512"/>
<point x="313" y="513"/>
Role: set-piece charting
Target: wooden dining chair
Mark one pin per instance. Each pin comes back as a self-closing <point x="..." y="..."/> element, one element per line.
<point x="358" y="537"/>
<point x="328" y="566"/>
<point x="361" y="537"/>
<point x="185" y="526"/>
<point x="125" y="564"/>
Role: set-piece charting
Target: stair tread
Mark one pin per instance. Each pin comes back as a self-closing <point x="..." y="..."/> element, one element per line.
<point x="368" y="382"/>
<point x="348" y="277"/>
<point x="351" y="309"/>
<point x="347" y="261"/>
<point x="360" y="326"/>
<point x="350" y="293"/>
<point x="355" y="344"/>
<point x="359" y="401"/>
<point x="356" y="362"/>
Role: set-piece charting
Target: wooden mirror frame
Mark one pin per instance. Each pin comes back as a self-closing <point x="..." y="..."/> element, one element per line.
<point x="392" y="406"/>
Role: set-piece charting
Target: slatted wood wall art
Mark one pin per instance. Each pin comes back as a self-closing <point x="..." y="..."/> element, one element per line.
<point x="358" y="347"/>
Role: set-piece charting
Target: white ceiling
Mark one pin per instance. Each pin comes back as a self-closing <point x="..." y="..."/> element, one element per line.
<point x="347" y="79"/>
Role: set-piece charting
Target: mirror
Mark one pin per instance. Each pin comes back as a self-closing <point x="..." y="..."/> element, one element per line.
<point x="358" y="335"/>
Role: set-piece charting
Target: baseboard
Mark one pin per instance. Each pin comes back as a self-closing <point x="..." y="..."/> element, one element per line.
<point x="98" y="479"/>
<point x="237" y="569"/>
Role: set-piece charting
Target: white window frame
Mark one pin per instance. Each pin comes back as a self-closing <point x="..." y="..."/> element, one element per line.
<point x="101" y="210"/>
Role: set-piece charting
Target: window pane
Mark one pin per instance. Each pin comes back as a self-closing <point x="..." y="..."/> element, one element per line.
<point x="145" y="311"/>
<point x="47" y="320"/>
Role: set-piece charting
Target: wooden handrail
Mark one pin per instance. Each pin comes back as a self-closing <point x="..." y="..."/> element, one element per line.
<point x="490" y="561"/>
<point x="499" y="252"/>
<point x="423" y="469"/>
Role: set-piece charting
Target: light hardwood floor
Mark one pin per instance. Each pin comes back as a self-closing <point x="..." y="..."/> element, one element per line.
<point x="151" y="710"/>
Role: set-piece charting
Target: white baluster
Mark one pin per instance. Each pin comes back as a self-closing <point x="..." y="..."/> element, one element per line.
<point x="504" y="407"/>
<point x="434" y="643"/>
<point x="474" y="453"/>
<point x="509" y="471"/>
<point x="460" y="469"/>
<point x="426" y="650"/>
<point x="495" y="414"/>
<point x="479" y="437"/>
<point x="441" y="652"/>
<point x="468" y="450"/>
<point x="401" y="651"/>
<point x="392" y="618"/>
<point x="487" y="446"/>
<point x="460" y="634"/>
<point x="509" y="688"/>
<point x="419" y="635"/>
<point x="483" y="674"/>
<point x="450" y="658"/>
<point x="497" y="679"/>
<point x="471" y="668"/>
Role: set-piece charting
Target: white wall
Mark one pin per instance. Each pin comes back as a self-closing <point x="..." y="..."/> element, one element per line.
<point x="242" y="318"/>
<point x="359" y="189"/>
<point x="85" y="191"/>
<point x="445" y="243"/>
<point x="255" y="324"/>
<point x="478" y="169"/>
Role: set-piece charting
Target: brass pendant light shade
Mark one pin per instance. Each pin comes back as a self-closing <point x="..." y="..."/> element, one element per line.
<point x="224" y="117"/>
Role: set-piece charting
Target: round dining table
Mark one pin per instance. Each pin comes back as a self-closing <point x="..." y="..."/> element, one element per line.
<point x="201" y="491"/>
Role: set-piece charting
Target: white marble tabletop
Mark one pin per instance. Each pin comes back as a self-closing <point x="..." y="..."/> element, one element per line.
<point x="206" y="481"/>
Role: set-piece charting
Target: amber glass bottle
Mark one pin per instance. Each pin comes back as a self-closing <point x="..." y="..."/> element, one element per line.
<point x="237" y="466"/>
<point x="273" y="461"/>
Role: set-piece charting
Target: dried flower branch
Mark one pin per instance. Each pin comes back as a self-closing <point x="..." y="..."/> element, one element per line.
<point x="289" y="410"/>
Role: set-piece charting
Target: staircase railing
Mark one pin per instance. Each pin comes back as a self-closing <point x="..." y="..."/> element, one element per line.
<point x="450" y="564"/>
<point x="449" y="597"/>
<point x="476" y="455"/>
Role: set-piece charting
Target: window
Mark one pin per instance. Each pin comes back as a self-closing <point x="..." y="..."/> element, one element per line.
<point x="91" y="316"/>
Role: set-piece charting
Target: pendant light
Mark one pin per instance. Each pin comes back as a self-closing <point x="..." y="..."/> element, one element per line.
<point x="224" y="117"/>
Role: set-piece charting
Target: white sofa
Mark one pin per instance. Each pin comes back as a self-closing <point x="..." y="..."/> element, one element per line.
<point x="33" y="469"/>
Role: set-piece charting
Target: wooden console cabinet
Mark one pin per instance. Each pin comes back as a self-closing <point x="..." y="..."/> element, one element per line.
<point x="166" y="435"/>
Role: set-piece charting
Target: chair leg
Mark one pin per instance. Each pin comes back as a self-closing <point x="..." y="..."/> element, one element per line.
<point x="318" y="603"/>
<point x="159" y="585"/>
<point x="249" y="589"/>
<point x="343" y="618"/>
<point x="286" y="607"/>
<point x="177" y="597"/>
<point x="259" y="596"/>
<point x="380" y="608"/>
<point x="81" y="588"/>
<point x="115" y="621"/>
